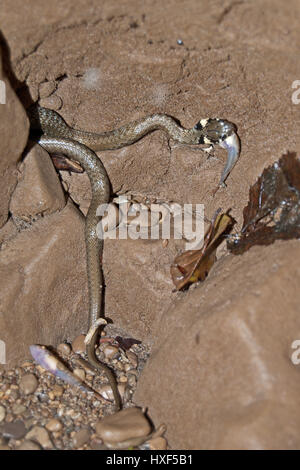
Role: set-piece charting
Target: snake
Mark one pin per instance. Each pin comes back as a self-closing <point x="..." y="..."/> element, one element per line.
<point x="51" y="131"/>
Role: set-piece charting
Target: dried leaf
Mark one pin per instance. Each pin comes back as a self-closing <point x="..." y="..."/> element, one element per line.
<point x="194" y="265"/>
<point x="273" y="210"/>
<point x="126" y="343"/>
<point x="65" y="164"/>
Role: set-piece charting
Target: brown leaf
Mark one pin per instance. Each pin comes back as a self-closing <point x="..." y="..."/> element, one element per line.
<point x="65" y="164"/>
<point x="126" y="343"/>
<point x="273" y="210"/>
<point x="194" y="265"/>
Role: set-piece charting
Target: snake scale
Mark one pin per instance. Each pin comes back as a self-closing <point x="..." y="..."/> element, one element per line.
<point x="54" y="135"/>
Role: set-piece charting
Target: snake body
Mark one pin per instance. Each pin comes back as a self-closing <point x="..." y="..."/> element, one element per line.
<point x="55" y="136"/>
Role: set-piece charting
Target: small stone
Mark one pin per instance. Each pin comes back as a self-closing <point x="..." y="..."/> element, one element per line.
<point x="80" y="373"/>
<point x="2" y="413"/>
<point x="124" y="429"/>
<point x="132" y="358"/>
<point x="9" y="418"/>
<point x="80" y="438"/>
<point x="57" y="390"/>
<point x="18" y="409"/>
<point x="28" y="384"/>
<point x="78" y="345"/>
<point x="64" y="349"/>
<point x="53" y="102"/>
<point x="46" y="89"/>
<point x="111" y="351"/>
<point x="158" y="443"/>
<point x="26" y="364"/>
<point x="13" y="395"/>
<point x="29" y="445"/>
<point x="107" y="393"/>
<point x="40" y="435"/>
<point x="54" y="425"/>
<point x="131" y="380"/>
<point x="15" y="430"/>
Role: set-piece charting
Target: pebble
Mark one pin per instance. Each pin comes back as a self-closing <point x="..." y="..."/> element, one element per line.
<point x="57" y="390"/>
<point x="64" y="348"/>
<point x="111" y="351"/>
<point x="132" y="358"/>
<point x="106" y="391"/>
<point x="124" y="429"/>
<point x="28" y="384"/>
<point x="2" y="413"/>
<point x="54" y="425"/>
<point x="29" y="445"/>
<point x="80" y="373"/>
<point x="132" y="380"/>
<point x="40" y="435"/>
<point x="78" y="345"/>
<point x="80" y="438"/>
<point x="53" y="102"/>
<point x="18" y="409"/>
<point x="15" y="430"/>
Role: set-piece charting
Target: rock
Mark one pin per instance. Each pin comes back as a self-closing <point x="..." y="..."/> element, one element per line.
<point x="132" y="358"/>
<point x="18" y="409"/>
<point x="57" y="390"/>
<point x="13" y="138"/>
<point x="56" y="313"/>
<point x="80" y="373"/>
<point x="40" y="434"/>
<point x="145" y="277"/>
<point x="64" y="349"/>
<point x="2" y="413"/>
<point x="54" y="425"/>
<point x="15" y="430"/>
<point x="80" y="438"/>
<point x="78" y="345"/>
<point x="29" y="445"/>
<point x="28" y="384"/>
<point x="39" y="191"/>
<point x="226" y="360"/>
<point x="124" y="429"/>
<point x="106" y="391"/>
<point x="111" y="351"/>
<point x="52" y="102"/>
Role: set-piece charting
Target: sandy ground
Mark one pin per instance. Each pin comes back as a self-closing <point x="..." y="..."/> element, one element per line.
<point x="219" y="373"/>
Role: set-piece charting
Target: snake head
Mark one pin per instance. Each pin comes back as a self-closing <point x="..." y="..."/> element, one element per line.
<point x="224" y="133"/>
<point x="214" y="131"/>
